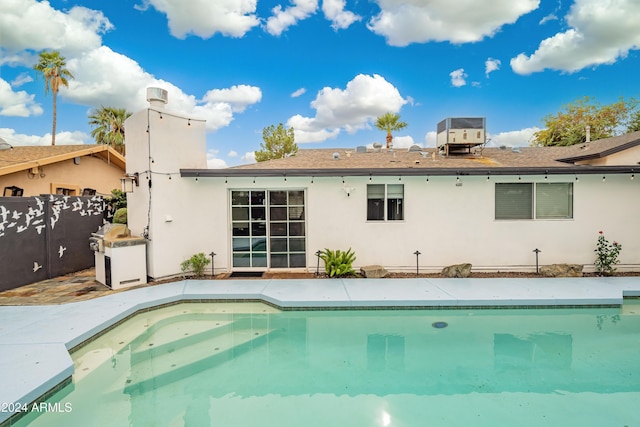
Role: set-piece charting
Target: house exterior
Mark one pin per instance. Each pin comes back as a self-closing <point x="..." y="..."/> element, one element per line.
<point x="491" y="207"/>
<point x="71" y="170"/>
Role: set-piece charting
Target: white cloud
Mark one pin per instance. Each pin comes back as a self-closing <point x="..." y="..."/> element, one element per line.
<point x="600" y="33"/>
<point x="62" y="138"/>
<point x="105" y="77"/>
<point x="403" y="141"/>
<point x="204" y="18"/>
<point x="283" y="19"/>
<point x="548" y="18"/>
<point x="298" y="92"/>
<point x="17" y="104"/>
<point x="340" y="18"/>
<point x="35" y="25"/>
<point x="430" y="139"/>
<point x="21" y="79"/>
<point x="516" y="138"/>
<point x="249" y="157"/>
<point x="458" y="77"/>
<point x="238" y="97"/>
<point x="491" y="65"/>
<point x="364" y="98"/>
<point x="403" y="22"/>
<point x="232" y="154"/>
<point x="213" y="162"/>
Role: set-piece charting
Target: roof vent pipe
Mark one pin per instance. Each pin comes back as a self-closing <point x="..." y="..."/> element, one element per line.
<point x="588" y="132"/>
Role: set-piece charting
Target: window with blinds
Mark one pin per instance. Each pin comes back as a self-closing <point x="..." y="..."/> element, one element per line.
<point x="554" y="200"/>
<point x="385" y="202"/>
<point x="514" y="201"/>
<point x="522" y="201"/>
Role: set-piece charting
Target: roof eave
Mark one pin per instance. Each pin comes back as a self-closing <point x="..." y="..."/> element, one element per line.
<point x="601" y="154"/>
<point x="105" y="152"/>
<point x="562" y="170"/>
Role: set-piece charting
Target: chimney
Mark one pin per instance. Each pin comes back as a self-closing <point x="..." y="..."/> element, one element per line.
<point x="157" y="97"/>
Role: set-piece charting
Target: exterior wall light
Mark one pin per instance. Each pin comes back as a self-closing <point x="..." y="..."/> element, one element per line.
<point x="127" y="182"/>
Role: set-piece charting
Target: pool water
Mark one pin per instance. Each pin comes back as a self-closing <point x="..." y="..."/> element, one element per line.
<point x="249" y="364"/>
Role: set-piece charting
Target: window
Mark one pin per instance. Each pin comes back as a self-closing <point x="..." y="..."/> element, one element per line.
<point x="13" y="191"/>
<point x="65" y="189"/>
<point x="520" y="201"/>
<point x="385" y="202"/>
<point x="554" y="200"/>
<point x="514" y="201"/>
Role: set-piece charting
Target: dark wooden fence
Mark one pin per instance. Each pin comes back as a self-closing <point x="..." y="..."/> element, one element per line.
<point x="46" y="236"/>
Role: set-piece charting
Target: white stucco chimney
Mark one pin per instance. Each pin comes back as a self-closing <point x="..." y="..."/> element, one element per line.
<point x="157" y="97"/>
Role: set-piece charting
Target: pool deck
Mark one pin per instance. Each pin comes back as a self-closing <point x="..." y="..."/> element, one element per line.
<point x="34" y="340"/>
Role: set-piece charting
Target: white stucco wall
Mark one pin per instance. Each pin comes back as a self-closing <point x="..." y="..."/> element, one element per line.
<point x="446" y="223"/>
<point x="164" y="211"/>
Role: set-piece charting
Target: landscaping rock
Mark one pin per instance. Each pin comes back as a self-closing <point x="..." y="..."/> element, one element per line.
<point x="373" y="271"/>
<point x="458" y="270"/>
<point x="562" y="270"/>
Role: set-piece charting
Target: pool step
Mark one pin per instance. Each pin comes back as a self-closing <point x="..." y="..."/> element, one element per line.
<point x="176" y="328"/>
<point x="158" y="344"/>
<point x="174" y="363"/>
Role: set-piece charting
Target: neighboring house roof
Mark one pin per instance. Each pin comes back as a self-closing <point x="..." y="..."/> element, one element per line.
<point x="21" y="158"/>
<point x="428" y="161"/>
<point x="601" y="148"/>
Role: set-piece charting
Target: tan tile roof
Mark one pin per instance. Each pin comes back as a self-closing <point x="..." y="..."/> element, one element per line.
<point x="25" y="157"/>
<point x="424" y="159"/>
<point x="488" y="158"/>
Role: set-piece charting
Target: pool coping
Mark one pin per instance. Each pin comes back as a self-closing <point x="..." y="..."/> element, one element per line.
<point x="35" y="340"/>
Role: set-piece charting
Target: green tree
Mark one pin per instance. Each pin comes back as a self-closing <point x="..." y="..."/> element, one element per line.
<point x="108" y="126"/>
<point x="633" y="124"/>
<point x="569" y="126"/>
<point x="51" y="66"/>
<point x="390" y="122"/>
<point x="279" y="142"/>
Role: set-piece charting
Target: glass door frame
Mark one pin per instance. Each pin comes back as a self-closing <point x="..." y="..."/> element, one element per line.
<point x="264" y="232"/>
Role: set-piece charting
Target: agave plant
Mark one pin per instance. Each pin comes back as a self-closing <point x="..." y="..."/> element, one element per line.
<point x="338" y="263"/>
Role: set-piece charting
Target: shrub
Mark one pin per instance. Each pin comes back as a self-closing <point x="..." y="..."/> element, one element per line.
<point x="120" y="217"/>
<point x="338" y="263"/>
<point x="606" y="255"/>
<point x="197" y="263"/>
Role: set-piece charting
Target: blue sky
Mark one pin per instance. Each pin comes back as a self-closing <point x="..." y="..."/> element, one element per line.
<point x="325" y="67"/>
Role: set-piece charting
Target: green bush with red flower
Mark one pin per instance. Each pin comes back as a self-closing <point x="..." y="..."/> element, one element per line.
<point x="606" y="255"/>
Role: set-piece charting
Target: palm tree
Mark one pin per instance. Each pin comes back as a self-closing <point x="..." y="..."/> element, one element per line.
<point x="390" y="122"/>
<point x="52" y="67"/>
<point x="108" y="123"/>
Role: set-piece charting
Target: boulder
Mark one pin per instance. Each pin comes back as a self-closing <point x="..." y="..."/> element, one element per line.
<point x="457" y="270"/>
<point x="561" y="270"/>
<point x="373" y="271"/>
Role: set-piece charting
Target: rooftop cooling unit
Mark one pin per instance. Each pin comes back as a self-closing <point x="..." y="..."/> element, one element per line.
<point x="460" y="134"/>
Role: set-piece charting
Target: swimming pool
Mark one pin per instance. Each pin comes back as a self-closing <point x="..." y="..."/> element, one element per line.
<point x="242" y="364"/>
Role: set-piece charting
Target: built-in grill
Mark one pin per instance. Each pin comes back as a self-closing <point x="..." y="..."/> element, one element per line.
<point x="121" y="259"/>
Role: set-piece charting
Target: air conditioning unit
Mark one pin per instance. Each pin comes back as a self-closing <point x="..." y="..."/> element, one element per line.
<point x="157" y="96"/>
